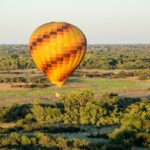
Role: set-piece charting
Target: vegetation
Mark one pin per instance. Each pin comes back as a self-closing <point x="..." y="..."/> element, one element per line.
<point x="117" y="57"/>
<point x="131" y="118"/>
<point x="97" y="56"/>
<point x="15" y="57"/>
<point x="40" y="140"/>
<point x="101" y="119"/>
<point x="106" y="57"/>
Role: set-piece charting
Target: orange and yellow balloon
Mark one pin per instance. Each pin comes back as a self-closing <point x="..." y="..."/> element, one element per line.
<point x="57" y="48"/>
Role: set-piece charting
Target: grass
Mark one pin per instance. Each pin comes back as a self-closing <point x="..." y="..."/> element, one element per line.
<point x="109" y="85"/>
<point x="74" y="84"/>
<point x="9" y="95"/>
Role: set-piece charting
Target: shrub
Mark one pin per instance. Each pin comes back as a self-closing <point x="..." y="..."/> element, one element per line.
<point x="143" y="76"/>
<point x="123" y="136"/>
<point x="3" y="112"/>
<point x="25" y="140"/>
<point x="3" y="130"/>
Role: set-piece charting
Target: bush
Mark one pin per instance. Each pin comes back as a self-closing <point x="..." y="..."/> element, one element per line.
<point x="48" y="114"/>
<point x="143" y="76"/>
<point x="3" y="130"/>
<point x="3" y="112"/>
<point x="142" y="139"/>
<point x="123" y="136"/>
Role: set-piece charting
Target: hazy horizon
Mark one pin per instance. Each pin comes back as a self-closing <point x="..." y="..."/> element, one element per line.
<point x="102" y="21"/>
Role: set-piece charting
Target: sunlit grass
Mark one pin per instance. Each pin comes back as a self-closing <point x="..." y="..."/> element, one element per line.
<point x="75" y="84"/>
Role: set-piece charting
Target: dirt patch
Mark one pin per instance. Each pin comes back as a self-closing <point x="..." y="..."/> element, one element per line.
<point x="139" y="93"/>
<point x="7" y="125"/>
<point x="7" y="87"/>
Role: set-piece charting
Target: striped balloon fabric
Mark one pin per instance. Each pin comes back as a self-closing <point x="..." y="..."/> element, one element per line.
<point x="57" y="48"/>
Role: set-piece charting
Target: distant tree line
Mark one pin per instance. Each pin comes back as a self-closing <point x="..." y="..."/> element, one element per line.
<point x="15" y="57"/>
<point x="117" y="57"/>
<point x="97" y="56"/>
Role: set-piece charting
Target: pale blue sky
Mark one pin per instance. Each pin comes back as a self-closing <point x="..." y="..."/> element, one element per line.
<point x="102" y="21"/>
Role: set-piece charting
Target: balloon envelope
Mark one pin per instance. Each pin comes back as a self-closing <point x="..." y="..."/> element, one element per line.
<point x="57" y="48"/>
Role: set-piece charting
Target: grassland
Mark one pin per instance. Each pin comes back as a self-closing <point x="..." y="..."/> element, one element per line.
<point x="131" y="87"/>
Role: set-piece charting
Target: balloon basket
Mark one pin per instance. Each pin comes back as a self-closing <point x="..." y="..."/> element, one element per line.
<point x="57" y="94"/>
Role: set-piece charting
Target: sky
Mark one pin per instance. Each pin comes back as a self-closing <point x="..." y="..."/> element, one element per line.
<point x="102" y="21"/>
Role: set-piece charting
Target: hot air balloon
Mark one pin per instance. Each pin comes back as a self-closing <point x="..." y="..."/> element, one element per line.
<point x="57" y="49"/>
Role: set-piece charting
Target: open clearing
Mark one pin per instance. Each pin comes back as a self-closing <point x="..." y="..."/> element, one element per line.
<point x="130" y="86"/>
<point x="124" y="87"/>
